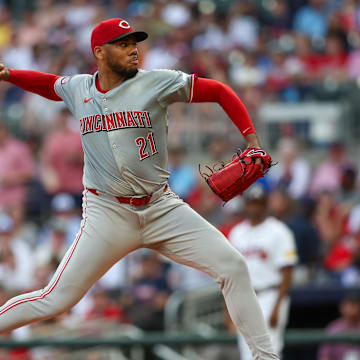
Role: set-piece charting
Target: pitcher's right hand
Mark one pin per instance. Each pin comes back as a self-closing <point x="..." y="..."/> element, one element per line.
<point x="4" y="72"/>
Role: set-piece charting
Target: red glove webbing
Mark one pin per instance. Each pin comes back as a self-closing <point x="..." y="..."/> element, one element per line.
<point x="36" y="82"/>
<point x="207" y="90"/>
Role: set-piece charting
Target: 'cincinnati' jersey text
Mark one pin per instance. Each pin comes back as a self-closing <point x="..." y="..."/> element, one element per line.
<point x="115" y="121"/>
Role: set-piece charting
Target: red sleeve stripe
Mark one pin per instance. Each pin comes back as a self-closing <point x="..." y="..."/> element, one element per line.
<point x="192" y="88"/>
<point x="247" y="131"/>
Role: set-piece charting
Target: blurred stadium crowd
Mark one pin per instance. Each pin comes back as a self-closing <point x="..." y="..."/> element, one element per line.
<point x="273" y="50"/>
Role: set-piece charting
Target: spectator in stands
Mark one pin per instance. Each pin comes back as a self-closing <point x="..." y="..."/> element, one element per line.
<point x="208" y="204"/>
<point x="79" y="14"/>
<point x="245" y="72"/>
<point x="311" y="19"/>
<point x="279" y="17"/>
<point x="205" y="63"/>
<point x="55" y="245"/>
<point x="43" y="272"/>
<point x="354" y="221"/>
<point x="25" y="229"/>
<point x="328" y="218"/>
<point x="29" y="32"/>
<point x="299" y="216"/>
<point x="38" y="200"/>
<point x="16" y="262"/>
<point x="306" y="62"/>
<point x="335" y="59"/>
<point x="330" y="221"/>
<point x="186" y="278"/>
<point x="279" y="81"/>
<point x="233" y="214"/>
<point x="243" y="26"/>
<point x="308" y="242"/>
<point x="162" y="55"/>
<point x="350" y="276"/>
<point x="205" y="203"/>
<point x="4" y="296"/>
<point x="6" y="27"/>
<point x="349" y="322"/>
<point x="149" y="293"/>
<point x="182" y="176"/>
<point x="217" y="147"/>
<point x="176" y="14"/>
<point x="348" y="193"/>
<point x="213" y="38"/>
<point x="327" y="176"/>
<point x="104" y="308"/>
<point x="349" y="17"/>
<point x="281" y="204"/>
<point x="16" y="168"/>
<point x="63" y="158"/>
<point x="293" y="171"/>
<point x="18" y="55"/>
<point x="39" y="115"/>
<point x="65" y="218"/>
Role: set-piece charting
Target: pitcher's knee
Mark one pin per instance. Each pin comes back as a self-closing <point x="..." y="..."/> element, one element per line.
<point x="234" y="269"/>
<point x="53" y="308"/>
<point x="56" y="304"/>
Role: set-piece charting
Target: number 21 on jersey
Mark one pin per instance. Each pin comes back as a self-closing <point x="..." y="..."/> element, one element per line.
<point x="142" y="142"/>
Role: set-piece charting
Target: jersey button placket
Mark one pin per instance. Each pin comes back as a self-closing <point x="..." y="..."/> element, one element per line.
<point x="113" y="145"/>
<point x="105" y="112"/>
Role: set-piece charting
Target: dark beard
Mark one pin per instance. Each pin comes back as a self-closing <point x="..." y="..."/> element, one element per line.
<point x="122" y="72"/>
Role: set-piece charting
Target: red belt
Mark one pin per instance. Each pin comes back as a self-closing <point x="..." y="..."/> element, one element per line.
<point x="135" y="201"/>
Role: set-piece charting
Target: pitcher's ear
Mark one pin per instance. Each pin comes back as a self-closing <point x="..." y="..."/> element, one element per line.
<point x="99" y="52"/>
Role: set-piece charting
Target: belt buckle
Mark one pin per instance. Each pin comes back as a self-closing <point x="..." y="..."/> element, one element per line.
<point x="134" y="201"/>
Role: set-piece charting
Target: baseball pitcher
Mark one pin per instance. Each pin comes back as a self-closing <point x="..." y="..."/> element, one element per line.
<point x="127" y="204"/>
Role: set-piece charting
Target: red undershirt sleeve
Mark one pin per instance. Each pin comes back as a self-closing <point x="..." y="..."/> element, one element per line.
<point x="208" y="90"/>
<point x="36" y="82"/>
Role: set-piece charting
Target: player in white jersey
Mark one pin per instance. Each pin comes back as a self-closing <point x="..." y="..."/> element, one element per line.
<point x="268" y="246"/>
<point x="127" y="204"/>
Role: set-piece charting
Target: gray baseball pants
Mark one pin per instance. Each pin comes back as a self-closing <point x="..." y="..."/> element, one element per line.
<point x="110" y="230"/>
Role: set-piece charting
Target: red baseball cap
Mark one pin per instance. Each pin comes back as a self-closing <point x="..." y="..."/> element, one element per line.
<point x="112" y="30"/>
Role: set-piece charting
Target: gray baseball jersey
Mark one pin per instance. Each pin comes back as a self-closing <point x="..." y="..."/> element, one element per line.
<point x="124" y="131"/>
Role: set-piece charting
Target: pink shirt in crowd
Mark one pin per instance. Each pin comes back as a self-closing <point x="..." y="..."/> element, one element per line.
<point x="327" y="177"/>
<point x="64" y="154"/>
<point x="15" y="162"/>
<point x="338" y="351"/>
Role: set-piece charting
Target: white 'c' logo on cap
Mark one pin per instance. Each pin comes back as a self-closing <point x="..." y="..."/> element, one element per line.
<point x="124" y="24"/>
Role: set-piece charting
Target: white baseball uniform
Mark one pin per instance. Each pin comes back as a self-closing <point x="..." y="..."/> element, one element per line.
<point x="267" y="247"/>
<point x="124" y="137"/>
